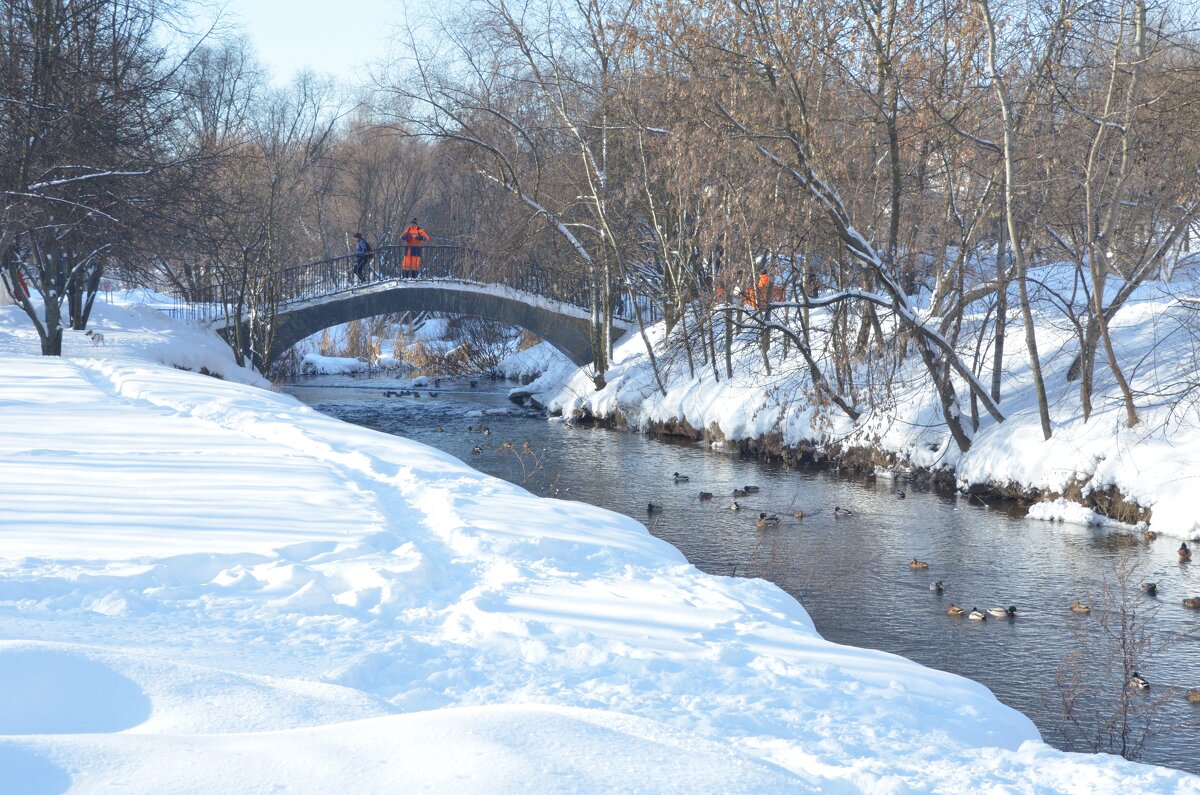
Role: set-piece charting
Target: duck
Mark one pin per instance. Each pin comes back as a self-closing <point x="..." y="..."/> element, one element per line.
<point x="680" y="478"/>
<point x="440" y="429"/>
<point x="433" y="394"/>
<point x="764" y="520"/>
<point x="840" y="511"/>
<point x="1003" y="612"/>
<point x="750" y="489"/>
<point x="506" y="445"/>
<point x="1185" y="554"/>
<point x="474" y="384"/>
<point x="1139" y="682"/>
<point x="1192" y="602"/>
<point x="486" y="431"/>
<point x="937" y="587"/>
<point x="652" y="508"/>
<point x="1150" y="588"/>
<point x="477" y="450"/>
<point x="1193" y="695"/>
<point x="741" y="493"/>
<point x="798" y="515"/>
<point x="977" y="615"/>
<point x="706" y="495"/>
<point x="900" y="495"/>
<point x="954" y="610"/>
<point x="526" y="447"/>
<point x="1080" y="607"/>
<point x="735" y="506"/>
<point x="917" y="564"/>
<point x="1150" y="536"/>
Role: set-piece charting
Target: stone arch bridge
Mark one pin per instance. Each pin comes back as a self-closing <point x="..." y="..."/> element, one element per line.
<point x="325" y="293"/>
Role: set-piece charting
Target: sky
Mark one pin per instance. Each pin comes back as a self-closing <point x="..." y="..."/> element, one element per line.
<point x="342" y="39"/>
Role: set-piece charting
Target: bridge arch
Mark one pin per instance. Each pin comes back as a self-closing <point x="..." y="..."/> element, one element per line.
<point x="563" y="325"/>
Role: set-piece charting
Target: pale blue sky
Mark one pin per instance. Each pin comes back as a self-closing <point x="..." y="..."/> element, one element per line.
<point x="341" y="38"/>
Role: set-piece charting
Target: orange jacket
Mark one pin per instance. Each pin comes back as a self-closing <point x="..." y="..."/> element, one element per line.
<point x="414" y="236"/>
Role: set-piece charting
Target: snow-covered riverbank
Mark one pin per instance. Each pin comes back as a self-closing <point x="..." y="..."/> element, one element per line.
<point x="1152" y="468"/>
<point x="208" y="587"/>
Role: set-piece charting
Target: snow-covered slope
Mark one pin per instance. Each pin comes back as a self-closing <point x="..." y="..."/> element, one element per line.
<point x="209" y="587"/>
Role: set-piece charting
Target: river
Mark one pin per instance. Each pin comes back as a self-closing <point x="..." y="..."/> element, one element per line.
<point x="852" y="572"/>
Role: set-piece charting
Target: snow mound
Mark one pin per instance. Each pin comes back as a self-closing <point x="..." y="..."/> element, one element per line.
<point x="316" y="364"/>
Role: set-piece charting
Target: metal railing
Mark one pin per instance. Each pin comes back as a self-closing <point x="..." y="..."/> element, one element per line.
<point x="444" y="263"/>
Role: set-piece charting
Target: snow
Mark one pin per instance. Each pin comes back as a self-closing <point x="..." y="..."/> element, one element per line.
<point x="206" y="586"/>
<point x="1155" y="464"/>
<point x="316" y="364"/>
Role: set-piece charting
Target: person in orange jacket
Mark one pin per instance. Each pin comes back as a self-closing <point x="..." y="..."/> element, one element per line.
<point x="763" y="293"/>
<point x="413" y="237"/>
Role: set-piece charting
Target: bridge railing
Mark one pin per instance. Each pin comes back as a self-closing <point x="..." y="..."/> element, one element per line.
<point x="438" y="262"/>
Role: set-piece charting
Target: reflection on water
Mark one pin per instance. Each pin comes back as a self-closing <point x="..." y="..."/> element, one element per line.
<point x="850" y="572"/>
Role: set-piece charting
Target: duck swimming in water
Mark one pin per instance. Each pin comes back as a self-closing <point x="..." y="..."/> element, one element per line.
<point x="1003" y="612"/>
<point x="735" y="506"/>
<point x="954" y="610"/>
<point x="917" y="564"/>
<point x="764" y="520"/>
<point x="977" y="615"/>
<point x="937" y="587"/>
<point x="1185" y="554"/>
<point x="1139" y="682"/>
<point x="706" y="495"/>
<point x="680" y="478"/>
<point x="1150" y="588"/>
<point x="1192" y="602"/>
<point x="1080" y="607"/>
<point x="652" y="508"/>
<point x="750" y="489"/>
<point x="840" y="511"/>
<point x="741" y="493"/>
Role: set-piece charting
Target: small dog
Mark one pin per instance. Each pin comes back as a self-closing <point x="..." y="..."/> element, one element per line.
<point x="95" y="336"/>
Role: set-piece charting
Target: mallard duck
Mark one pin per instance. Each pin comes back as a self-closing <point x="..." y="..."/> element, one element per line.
<point x="750" y="489"/>
<point x="476" y="450"/>
<point x="680" y="478"/>
<point x="1080" y="607"/>
<point x="977" y="615"/>
<point x="900" y="495"/>
<point x="798" y="515"/>
<point x="652" y="508"/>
<point x="1151" y="535"/>
<point x="840" y="511"/>
<point x="1192" y="602"/>
<point x="1193" y="695"/>
<point x="917" y="564"/>
<point x="526" y="448"/>
<point x="954" y="610"/>
<point x="433" y="394"/>
<point x="1003" y="612"/>
<point x="1138" y="681"/>
<point x="440" y="429"/>
<point x="764" y="520"/>
<point x="735" y="506"/>
<point x="486" y="431"/>
<point x="937" y="587"/>
<point x="1150" y="588"/>
<point x="1185" y="554"/>
<point x="507" y="445"/>
<point x="741" y="493"/>
<point x="706" y="495"/>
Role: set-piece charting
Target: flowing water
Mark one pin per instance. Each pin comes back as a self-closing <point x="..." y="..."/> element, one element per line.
<point x="851" y="572"/>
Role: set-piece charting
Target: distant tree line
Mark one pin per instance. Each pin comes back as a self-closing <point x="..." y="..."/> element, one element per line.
<point x="661" y="156"/>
